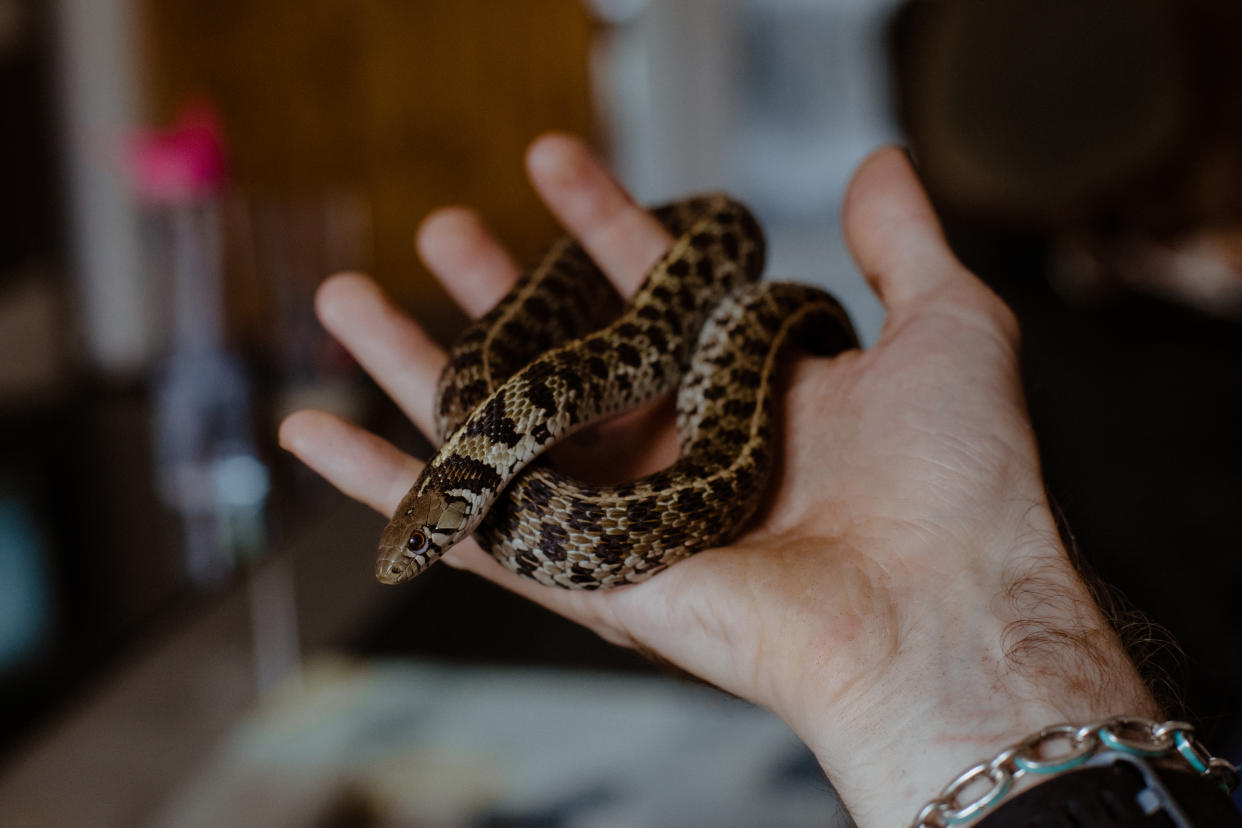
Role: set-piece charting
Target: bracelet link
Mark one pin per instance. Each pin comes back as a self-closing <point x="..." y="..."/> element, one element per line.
<point x="1224" y="772"/>
<point x="956" y="813"/>
<point x="1030" y="758"/>
<point x="1135" y="736"/>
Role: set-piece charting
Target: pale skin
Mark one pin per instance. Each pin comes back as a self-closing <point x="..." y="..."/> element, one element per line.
<point x="902" y="600"/>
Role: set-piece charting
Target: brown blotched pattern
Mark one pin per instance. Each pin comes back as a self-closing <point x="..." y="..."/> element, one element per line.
<point x="539" y="366"/>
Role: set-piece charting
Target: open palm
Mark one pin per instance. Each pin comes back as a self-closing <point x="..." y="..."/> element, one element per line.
<point x="906" y="505"/>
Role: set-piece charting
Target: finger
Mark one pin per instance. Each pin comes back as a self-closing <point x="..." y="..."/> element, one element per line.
<point x="363" y="466"/>
<point x="376" y="473"/>
<point x="395" y="351"/>
<point x="893" y="233"/>
<point x="372" y="471"/>
<point x="619" y="235"/>
<point x="474" y="268"/>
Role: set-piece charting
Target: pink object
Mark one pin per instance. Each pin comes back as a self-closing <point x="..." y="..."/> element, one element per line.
<point x="183" y="163"/>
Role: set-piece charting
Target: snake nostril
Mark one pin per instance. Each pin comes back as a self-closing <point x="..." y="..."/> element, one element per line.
<point x="388" y="571"/>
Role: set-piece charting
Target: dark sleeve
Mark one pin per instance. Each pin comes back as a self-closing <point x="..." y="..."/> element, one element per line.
<point x="1124" y="792"/>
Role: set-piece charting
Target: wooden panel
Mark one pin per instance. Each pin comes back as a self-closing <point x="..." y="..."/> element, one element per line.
<point x="409" y="103"/>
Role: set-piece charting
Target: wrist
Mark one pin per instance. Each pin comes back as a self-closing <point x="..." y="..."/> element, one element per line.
<point x="972" y="673"/>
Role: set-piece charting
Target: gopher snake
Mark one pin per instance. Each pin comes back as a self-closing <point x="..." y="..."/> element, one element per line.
<point x="554" y="356"/>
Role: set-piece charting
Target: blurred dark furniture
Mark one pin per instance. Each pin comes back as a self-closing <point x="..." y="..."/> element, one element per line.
<point x="1032" y="122"/>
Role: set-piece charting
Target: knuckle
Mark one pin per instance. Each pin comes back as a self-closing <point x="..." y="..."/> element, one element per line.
<point x="1005" y="321"/>
<point x="995" y="313"/>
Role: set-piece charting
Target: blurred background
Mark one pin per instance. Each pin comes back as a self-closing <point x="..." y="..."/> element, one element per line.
<point x="190" y="633"/>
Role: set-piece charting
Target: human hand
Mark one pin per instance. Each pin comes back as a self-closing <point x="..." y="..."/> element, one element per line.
<point x="902" y="600"/>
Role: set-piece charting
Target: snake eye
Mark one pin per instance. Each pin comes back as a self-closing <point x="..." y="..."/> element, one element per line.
<point x="417" y="542"/>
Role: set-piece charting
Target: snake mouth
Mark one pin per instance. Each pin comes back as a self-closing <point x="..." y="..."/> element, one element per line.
<point x="396" y="566"/>
<point x="394" y="569"/>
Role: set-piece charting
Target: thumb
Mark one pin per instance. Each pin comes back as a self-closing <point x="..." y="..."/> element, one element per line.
<point x="893" y="233"/>
<point x="897" y="242"/>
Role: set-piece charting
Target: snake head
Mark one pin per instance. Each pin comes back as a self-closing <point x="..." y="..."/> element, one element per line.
<point x="426" y="525"/>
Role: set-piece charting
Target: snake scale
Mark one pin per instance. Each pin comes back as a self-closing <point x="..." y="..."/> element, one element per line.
<point x="560" y="352"/>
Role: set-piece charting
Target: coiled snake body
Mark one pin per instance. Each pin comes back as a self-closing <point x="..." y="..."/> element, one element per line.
<point x="558" y="354"/>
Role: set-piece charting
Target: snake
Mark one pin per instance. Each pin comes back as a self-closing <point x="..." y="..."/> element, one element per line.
<point x="561" y="351"/>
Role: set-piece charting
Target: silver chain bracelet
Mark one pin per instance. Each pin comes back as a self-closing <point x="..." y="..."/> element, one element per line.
<point x="1036" y="755"/>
